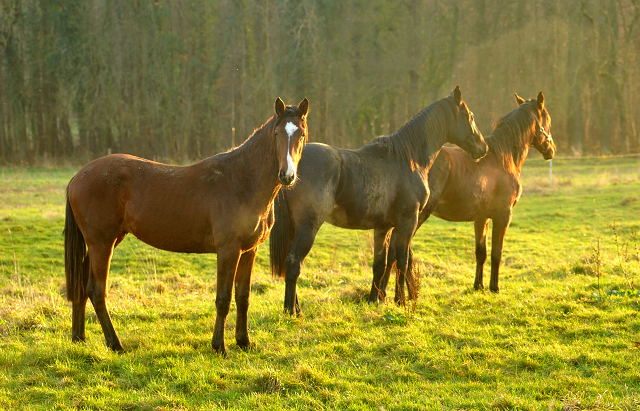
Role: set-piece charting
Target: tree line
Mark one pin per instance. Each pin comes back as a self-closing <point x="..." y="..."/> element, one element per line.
<point x="180" y="80"/>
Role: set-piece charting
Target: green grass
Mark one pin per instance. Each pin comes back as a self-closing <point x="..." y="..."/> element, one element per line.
<point x="561" y="334"/>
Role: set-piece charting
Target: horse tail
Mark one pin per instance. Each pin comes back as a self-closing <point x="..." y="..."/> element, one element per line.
<point x="75" y="254"/>
<point x="281" y="236"/>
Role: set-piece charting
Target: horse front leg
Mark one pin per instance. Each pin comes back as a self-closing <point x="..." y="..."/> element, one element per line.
<point x="389" y="265"/>
<point x="305" y="237"/>
<point x="380" y="248"/>
<point x="481" y="226"/>
<point x="402" y="243"/>
<point x="410" y="279"/>
<point x="498" y="233"/>
<point x="243" y="291"/>
<point x="227" y="265"/>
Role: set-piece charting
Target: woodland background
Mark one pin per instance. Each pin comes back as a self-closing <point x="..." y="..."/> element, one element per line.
<point x="180" y="80"/>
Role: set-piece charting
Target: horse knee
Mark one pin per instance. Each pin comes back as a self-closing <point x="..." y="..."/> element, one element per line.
<point x="223" y="303"/>
<point x="242" y="304"/>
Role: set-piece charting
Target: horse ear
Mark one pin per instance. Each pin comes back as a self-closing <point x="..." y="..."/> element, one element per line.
<point x="519" y="99"/>
<point x="279" y="107"/>
<point x="540" y="100"/>
<point x="303" y="107"/>
<point x="457" y="95"/>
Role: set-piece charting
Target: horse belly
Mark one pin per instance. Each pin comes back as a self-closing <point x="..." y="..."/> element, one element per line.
<point x="169" y="218"/>
<point x="171" y="232"/>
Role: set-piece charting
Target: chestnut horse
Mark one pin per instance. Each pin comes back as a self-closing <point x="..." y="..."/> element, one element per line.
<point x="223" y="205"/>
<point x="465" y="190"/>
<point x="381" y="185"/>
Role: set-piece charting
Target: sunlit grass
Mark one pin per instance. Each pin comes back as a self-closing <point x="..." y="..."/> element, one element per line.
<point x="560" y="335"/>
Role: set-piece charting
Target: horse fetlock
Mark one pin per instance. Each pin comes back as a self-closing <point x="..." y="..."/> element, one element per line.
<point x="219" y="348"/>
<point x="289" y="306"/>
<point x="115" y="346"/>
<point x="244" y="344"/>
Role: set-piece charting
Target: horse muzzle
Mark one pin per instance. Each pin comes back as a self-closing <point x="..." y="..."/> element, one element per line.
<point x="480" y="151"/>
<point x="549" y="153"/>
<point x="286" y="180"/>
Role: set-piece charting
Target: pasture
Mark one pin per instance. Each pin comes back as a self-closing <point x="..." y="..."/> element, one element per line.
<point x="562" y="334"/>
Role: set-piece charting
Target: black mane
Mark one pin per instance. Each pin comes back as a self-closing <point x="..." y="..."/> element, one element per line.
<point x="416" y="140"/>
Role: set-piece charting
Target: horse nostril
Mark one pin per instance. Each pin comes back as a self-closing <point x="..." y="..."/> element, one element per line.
<point x="285" y="179"/>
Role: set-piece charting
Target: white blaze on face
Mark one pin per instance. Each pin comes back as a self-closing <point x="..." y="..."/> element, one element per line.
<point x="290" y="128"/>
<point x="473" y="125"/>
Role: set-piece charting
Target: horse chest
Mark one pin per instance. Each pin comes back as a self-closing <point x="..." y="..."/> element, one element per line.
<point x="260" y="231"/>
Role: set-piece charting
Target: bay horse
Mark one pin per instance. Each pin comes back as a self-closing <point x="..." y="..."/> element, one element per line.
<point x="222" y="204"/>
<point x="489" y="189"/>
<point x="381" y="185"/>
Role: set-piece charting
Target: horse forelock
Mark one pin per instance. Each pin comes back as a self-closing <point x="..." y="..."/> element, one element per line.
<point x="290" y="111"/>
<point x="417" y="140"/>
<point x="512" y="134"/>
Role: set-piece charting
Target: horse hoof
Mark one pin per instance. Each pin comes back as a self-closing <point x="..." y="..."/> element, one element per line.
<point x="77" y="339"/>
<point x="116" y="347"/>
<point x="245" y="345"/>
<point x="221" y="351"/>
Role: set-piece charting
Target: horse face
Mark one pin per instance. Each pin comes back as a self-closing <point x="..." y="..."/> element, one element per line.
<point x="291" y="136"/>
<point x="542" y="140"/>
<point x="466" y="134"/>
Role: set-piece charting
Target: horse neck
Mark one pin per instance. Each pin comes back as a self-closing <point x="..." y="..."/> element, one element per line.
<point x="422" y="137"/>
<point x="257" y="165"/>
<point x="511" y="142"/>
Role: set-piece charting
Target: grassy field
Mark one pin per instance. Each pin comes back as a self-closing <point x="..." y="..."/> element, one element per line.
<point x="563" y="333"/>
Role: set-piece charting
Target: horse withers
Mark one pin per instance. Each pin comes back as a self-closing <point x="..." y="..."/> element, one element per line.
<point x="223" y="205"/>
<point x="382" y="185"/>
<point x="466" y="190"/>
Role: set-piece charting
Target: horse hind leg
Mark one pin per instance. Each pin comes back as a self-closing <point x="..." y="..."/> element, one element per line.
<point x="480" y="227"/>
<point x="100" y="258"/>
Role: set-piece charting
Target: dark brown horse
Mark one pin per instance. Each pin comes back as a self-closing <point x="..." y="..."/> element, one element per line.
<point x="223" y="205"/>
<point x="465" y="190"/>
<point x="381" y="185"/>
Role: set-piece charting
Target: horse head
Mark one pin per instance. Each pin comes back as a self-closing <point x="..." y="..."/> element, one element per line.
<point x="291" y="135"/>
<point x="542" y="140"/>
<point x="465" y="133"/>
